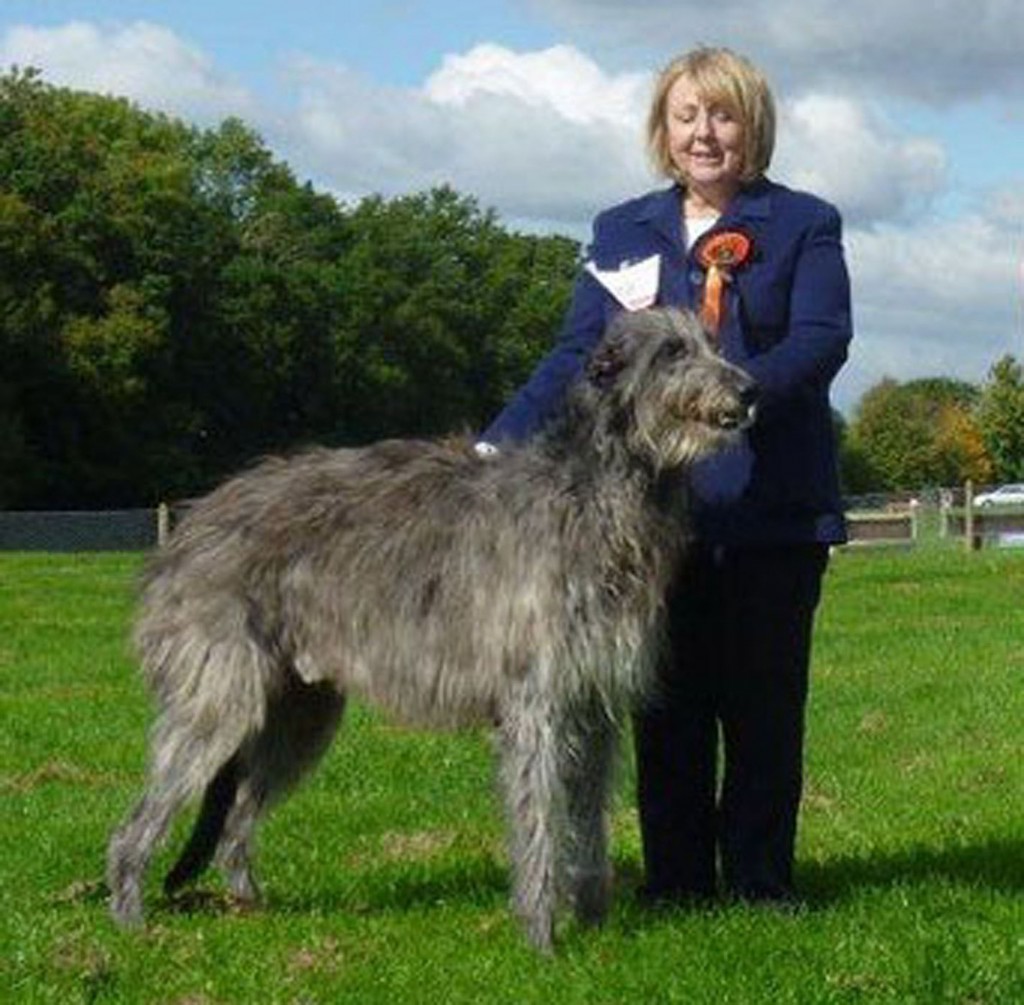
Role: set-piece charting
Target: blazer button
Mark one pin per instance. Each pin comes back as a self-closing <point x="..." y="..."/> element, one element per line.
<point x="697" y="277"/>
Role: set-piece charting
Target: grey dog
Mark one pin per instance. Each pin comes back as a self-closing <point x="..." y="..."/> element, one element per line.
<point x="523" y="591"/>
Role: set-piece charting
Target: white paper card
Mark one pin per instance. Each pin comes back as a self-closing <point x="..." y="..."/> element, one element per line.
<point x="634" y="285"/>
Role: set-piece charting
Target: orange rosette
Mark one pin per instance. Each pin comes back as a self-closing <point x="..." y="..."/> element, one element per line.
<point x="720" y="253"/>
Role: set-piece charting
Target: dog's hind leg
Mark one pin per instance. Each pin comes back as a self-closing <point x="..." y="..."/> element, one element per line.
<point x="300" y="724"/>
<point x="218" y="799"/>
<point x="587" y="760"/>
<point x="183" y="762"/>
<point x="529" y="770"/>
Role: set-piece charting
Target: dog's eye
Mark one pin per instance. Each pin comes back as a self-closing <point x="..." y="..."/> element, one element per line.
<point x="672" y="350"/>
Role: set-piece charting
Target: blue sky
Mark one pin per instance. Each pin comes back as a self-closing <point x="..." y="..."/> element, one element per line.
<point x="397" y="42"/>
<point x="909" y="116"/>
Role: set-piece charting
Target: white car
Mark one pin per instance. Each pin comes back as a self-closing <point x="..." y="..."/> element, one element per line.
<point x="1005" y="495"/>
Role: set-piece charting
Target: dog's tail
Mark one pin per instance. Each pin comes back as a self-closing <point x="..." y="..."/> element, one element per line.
<point x="198" y="852"/>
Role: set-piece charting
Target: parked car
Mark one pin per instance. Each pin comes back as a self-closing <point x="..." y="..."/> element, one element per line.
<point x="1005" y="495"/>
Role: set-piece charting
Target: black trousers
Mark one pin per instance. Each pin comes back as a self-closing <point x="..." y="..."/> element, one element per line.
<point x="732" y="694"/>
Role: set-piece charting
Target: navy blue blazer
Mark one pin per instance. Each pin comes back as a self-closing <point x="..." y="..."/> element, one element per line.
<point x="787" y="323"/>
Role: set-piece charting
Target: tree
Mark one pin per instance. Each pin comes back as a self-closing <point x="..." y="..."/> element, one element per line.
<point x="443" y="313"/>
<point x="173" y="303"/>
<point x="855" y="473"/>
<point x="102" y="241"/>
<point x="1001" y="417"/>
<point x="917" y="434"/>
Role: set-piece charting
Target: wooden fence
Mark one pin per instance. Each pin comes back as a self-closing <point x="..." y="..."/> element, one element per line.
<point x="882" y="528"/>
<point x="901" y="525"/>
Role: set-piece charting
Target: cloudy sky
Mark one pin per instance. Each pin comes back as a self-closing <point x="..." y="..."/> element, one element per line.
<point x="908" y="114"/>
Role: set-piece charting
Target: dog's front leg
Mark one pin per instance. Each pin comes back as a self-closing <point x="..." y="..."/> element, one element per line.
<point x="533" y="800"/>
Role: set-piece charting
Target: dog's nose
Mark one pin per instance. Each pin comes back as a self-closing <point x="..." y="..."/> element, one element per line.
<point x="749" y="395"/>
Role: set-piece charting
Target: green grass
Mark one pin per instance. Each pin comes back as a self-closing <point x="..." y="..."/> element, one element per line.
<point x="385" y="876"/>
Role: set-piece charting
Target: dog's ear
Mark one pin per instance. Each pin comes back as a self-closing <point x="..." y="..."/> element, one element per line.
<point x="606" y="363"/>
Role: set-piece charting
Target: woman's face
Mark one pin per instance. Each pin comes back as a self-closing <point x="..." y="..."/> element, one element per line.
<point x="705" y="141"/>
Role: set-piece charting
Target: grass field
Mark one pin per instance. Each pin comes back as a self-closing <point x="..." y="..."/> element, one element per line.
<point x="385" y="877"/>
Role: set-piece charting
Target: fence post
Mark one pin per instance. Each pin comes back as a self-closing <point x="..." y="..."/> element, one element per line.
<point x="969" y="515"/>
<point x="163" y="523"/>
<point x="945" y="512"/>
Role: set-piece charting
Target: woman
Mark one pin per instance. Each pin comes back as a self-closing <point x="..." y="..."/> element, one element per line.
<point x="764" y="266"/>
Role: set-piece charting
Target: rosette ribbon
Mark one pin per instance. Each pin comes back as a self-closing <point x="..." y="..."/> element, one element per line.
<point x="720" y="254"/>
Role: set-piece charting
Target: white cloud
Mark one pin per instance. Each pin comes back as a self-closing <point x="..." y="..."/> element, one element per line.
<point x="545" y="136"/>
<point x="959" y="267"/>
<point x="541" y="135"/>
<point x="940" y="298"/>
<point x="560" y="79"/>
<point x="942" y="52"/>
<point x="844" y="150"/>
<point x="550" y="135"/>
<point x="143" y="61"/>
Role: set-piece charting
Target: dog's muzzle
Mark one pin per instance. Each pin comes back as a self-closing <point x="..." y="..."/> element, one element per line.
<point x="743" y="415"/>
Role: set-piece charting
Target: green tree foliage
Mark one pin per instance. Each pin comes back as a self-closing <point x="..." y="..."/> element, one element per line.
<point x="444" y="313"/>
<point x="916" y="434"/>
<point x="173" y="303"/>
<point x="1001" y="417"/>
<point x="855" y="474"/>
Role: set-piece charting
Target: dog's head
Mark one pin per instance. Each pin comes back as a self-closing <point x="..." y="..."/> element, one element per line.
<point x="675" y="398"/>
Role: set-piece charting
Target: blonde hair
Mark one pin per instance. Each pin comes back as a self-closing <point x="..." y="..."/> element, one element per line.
<point x="725" y="78"/>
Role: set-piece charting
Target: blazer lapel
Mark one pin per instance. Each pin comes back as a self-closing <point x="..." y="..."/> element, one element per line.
<point x="749" y="209"/>
<point x="661" y="215"/>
